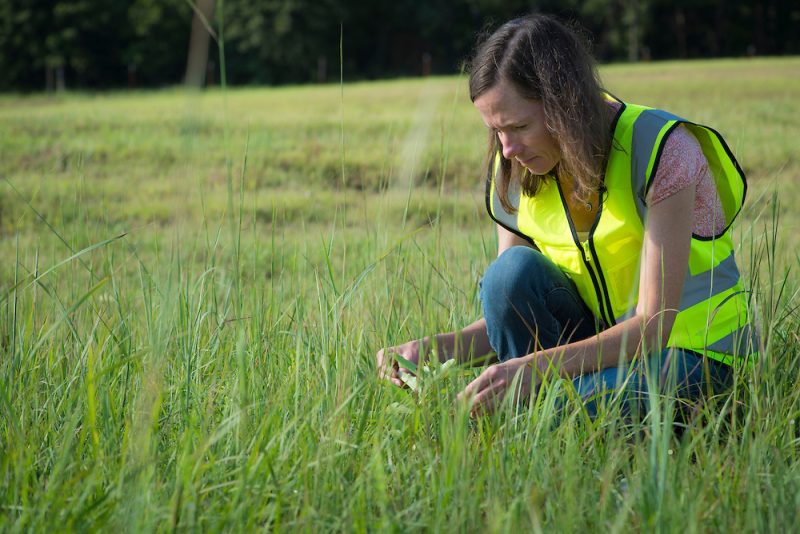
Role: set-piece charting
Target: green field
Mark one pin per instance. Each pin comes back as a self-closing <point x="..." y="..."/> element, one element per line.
<point x="194" y="286"/>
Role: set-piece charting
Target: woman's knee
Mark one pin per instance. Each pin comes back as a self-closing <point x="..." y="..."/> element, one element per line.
<point x="513" y="271"/>
<point x="512" y="279"/>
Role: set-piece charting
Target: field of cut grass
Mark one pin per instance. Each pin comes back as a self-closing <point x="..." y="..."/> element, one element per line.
<point x="194" y="286"/>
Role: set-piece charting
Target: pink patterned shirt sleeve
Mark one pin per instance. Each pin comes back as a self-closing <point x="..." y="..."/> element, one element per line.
<point x="682" y="164"/>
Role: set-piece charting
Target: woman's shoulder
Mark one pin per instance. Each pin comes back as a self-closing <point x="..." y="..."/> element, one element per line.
<point x="681" y="164"/>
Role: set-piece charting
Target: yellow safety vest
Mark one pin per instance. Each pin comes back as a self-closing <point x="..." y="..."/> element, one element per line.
<point x="712" y="319"/>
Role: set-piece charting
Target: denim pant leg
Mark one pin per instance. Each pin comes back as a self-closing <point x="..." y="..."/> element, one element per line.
<point x="677" y="374"/>
<point x="529" y="304"/>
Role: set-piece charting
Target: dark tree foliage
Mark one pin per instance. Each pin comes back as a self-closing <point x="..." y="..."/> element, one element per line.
<point x="119" y="43"/>
<point x="157" y="40"/>
<point x="95" y="43"/>
<point x="278" y="41"/>
<point x="700" y="28"/>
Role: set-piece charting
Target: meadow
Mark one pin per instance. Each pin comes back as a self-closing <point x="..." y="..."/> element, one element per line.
<point x="194" y="286"/>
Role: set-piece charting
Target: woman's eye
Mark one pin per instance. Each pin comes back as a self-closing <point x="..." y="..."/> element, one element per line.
<point x="520" y="126"/>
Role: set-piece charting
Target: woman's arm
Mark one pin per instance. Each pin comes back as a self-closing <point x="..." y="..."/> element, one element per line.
<point x="470" y="344"/>
<point x="665" y="257"/>
<point x="506" y="240"/>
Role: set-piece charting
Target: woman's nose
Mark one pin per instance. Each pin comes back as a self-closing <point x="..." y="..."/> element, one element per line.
<point x="510" y="146"/>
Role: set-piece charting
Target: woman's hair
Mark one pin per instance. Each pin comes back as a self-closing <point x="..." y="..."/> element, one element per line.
<point x="549" y="62"/>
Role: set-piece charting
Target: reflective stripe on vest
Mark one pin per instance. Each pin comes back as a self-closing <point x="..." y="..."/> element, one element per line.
<point x="649" y="124"/>
<point x="712" y="316"/>
<point x="701" y="286"/>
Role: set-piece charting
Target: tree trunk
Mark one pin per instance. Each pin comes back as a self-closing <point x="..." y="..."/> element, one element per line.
<point x="680" y="32"/>
<point x="633" y="30"/>
<point x="197" y="61"/>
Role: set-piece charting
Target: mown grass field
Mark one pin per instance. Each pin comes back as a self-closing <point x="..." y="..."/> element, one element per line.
<point x="194" y="286"/>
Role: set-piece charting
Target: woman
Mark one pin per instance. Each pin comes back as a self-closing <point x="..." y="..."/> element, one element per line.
<point x="615" y="258"/>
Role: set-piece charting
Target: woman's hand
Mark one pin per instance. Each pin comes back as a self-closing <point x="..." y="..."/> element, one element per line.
<point x="388" y="367"/>
<point x="486" y="392"/>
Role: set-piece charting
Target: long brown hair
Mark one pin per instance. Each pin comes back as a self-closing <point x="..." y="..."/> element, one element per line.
<point x="549" y="62"/>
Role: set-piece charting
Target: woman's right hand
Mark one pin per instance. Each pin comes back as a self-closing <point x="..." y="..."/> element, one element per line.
<point x="388" y="366"/>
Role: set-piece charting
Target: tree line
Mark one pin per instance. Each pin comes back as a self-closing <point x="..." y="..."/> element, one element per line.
<point x="53" y="44"/>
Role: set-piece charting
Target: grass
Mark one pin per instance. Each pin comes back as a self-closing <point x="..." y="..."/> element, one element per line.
<point x="213" y="368"/>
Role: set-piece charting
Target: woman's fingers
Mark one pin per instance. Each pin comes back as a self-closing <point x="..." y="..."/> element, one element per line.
<point x="388" y="368"/>
<point x="485" y="380"/>
<point x="488" y="399"/>
<point x="386" y="365"/>
<point x="485" y="392"/>
<point x="472" y="388"/>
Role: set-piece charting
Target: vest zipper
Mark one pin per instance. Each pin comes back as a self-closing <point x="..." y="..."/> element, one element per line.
<point x="587" y="252"/>
<point x="606" y="295"/>
<point x="589" y="257"/>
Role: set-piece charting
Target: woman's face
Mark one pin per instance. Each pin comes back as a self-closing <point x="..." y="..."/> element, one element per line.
<point x="520" y="127"/>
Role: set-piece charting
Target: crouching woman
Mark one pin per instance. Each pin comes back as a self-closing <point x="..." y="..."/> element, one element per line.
<point x="615" y="264"/>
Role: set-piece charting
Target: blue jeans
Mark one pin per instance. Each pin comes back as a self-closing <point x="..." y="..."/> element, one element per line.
<point x="529" y="304"/>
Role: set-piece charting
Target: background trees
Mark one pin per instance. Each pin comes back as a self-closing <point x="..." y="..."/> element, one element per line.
<point x="118" y="43"/>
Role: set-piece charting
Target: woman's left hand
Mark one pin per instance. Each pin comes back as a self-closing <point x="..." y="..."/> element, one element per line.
<point x="486" y="392"/>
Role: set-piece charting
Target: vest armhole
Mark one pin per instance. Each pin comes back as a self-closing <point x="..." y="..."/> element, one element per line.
<point x="736" y="168"/>
<point x="488" y="202"/>
<point x="661" y="143"/>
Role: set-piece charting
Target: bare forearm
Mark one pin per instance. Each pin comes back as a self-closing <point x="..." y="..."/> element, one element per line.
<point x="611" y="348"/>
<point x="470" y="344"/>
